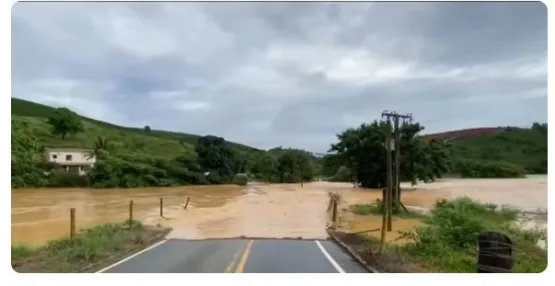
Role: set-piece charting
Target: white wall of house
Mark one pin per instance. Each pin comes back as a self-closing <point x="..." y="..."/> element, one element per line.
<point x="63" y="157"/>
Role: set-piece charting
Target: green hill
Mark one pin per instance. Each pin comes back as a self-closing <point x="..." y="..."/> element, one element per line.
<point x="35" y="114"/>
<point x="134" y="157"/>
<point x="525" y="147"/>
<point x="126" y="157"/>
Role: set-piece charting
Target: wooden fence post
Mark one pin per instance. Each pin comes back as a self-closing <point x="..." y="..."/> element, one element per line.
<point x="384" y="218"/>
<point x="495" y="253"/>
<point x="334" y="211"/>
<point x="72" y="223"/>
<point x="187" y="203"/>
<point x="131" y="213"/>
<point x="161" y="207"/>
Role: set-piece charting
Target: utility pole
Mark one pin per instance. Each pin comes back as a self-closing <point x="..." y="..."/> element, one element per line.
<point x="398" y="159"/>
<point x="396" y="146"/>
<point x="397" y="162"/>
<point x="388" y="198"/>
<point x="386" y="193"/>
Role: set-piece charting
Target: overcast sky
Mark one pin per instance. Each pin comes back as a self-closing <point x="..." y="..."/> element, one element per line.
<point x="291" y="74"/>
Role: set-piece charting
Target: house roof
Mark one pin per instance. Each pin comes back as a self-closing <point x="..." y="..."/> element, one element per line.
<point x="66" y="150"/>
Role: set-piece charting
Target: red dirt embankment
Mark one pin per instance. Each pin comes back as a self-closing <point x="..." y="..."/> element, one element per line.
<point x="464" y="133"/>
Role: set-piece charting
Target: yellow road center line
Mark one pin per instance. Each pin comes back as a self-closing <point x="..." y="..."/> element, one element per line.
<point x="235" y="256"/>
<point x="244" y="257"/>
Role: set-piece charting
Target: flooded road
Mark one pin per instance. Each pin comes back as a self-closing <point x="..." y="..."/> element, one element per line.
<point x="213" y="212"/>
<point x="39" y="215"/>
<point x="259" y="210"/>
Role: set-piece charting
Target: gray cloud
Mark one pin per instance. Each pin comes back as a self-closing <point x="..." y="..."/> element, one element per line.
<point x="291" y="74"/>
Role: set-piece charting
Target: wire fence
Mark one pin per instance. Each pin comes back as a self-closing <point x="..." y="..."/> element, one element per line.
<point x="130" y="218"/>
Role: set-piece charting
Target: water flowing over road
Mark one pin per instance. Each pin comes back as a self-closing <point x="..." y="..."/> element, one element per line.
<point x="258" y="210"/>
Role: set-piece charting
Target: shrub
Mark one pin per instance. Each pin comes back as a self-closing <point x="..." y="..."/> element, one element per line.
<point x="448" y="240"/>
<point x="59" y="178"/>
<point x="241" y="180"/>
<point x="20" y="251"/>
<point x="343" y="174"/>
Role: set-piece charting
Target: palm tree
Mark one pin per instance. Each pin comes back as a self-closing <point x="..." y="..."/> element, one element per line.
<point x="100" y="149"/>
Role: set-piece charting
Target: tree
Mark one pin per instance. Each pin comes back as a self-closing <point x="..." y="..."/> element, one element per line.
<point x="294" y="166"/>
<point x="64" y="122"/>
<point x="25" y="167"/>
<point x="331" y="164"/>
<point x="147" y="129"/>
<point x="264" y="167"/>
<point x="217" y="157"/>
<point x="362" y="151"/>
<point x="100" y="148"/>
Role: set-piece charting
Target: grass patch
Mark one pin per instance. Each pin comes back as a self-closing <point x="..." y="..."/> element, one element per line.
<point x="375" y="209"/>
<point x="447" y="242"/>
<point x="89" y="250"/>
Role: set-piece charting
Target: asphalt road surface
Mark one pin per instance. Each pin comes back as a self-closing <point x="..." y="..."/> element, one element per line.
<point x="239" y="256"/>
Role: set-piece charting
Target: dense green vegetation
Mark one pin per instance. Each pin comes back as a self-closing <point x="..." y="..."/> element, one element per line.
<point x="142" y="157"/>
<point x="28" y="109"/>
<point x="136" y="157"/>
<point x="88" y="251"/>
<point x="447" y="241"/>
<point x="511" y="153"/>
<point x="524" y="148"/>
<point x="362" y="151"/>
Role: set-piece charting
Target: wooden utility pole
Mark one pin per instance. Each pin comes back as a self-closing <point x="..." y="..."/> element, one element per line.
<point x="388" y="198"/>
<point x="393" y="199"/>
<point x="398" y="159"/>
<point x="397" y="162"/>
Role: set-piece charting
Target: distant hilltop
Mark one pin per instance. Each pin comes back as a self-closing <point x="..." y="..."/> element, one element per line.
<point x="465" y="133"/>
<point x="460" y="134"/>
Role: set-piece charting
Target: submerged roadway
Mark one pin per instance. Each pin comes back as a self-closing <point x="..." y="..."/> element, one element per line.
<point x="239" y="256"/>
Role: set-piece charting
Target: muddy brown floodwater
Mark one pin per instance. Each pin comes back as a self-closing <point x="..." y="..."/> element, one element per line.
<point x="280" y="211"/>
<point x="39" y="215"/>
<point x="258" y="210"/>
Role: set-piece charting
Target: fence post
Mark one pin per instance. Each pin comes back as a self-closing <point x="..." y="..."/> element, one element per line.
<point x="334" y="211"/>
<point x="161" y="207"/>
<point x="494" y="253"/>
<point x="384" y="218"/>
<point x="187" y="203"/>
<point x="72" y="223"/>
<point x="131" y="213"/>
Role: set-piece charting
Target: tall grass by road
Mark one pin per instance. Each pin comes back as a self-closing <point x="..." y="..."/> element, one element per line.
<point x="90" y="250"/>
<point x="447" y="241"/>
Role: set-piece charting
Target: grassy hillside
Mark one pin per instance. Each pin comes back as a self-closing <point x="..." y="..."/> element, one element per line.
<point x="36" y="115"/>
<point x="132" y="157"/>
<point x="526" y="147"/>
<point x="124" y="142"/>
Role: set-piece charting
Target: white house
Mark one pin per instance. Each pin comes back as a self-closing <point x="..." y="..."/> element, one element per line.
<point x="72" y="160"/>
